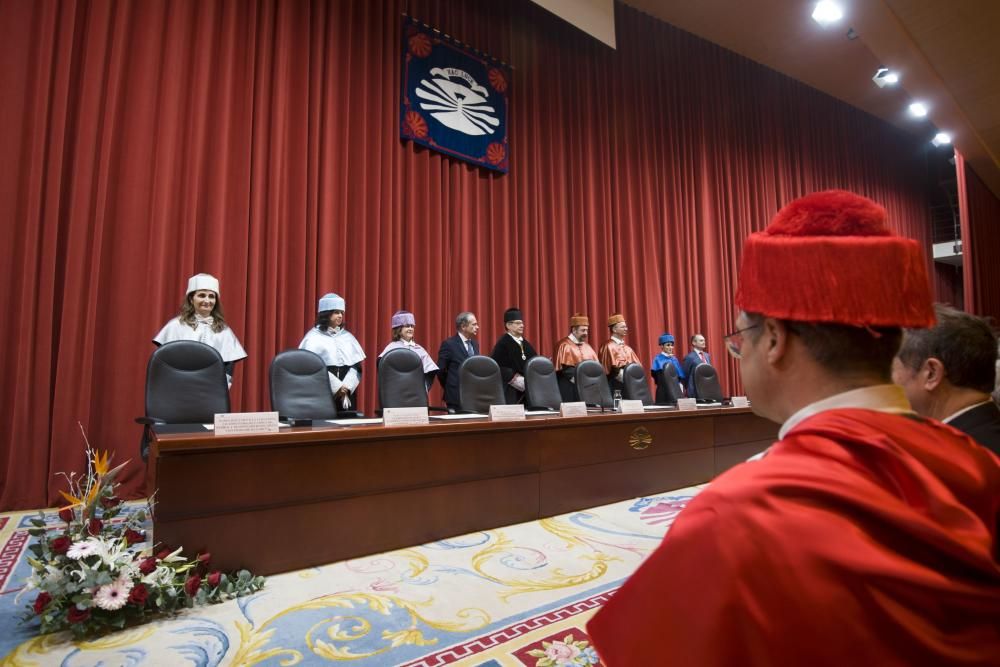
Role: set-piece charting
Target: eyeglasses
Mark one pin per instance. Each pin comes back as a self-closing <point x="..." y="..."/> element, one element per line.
<point x="734" y="341"/>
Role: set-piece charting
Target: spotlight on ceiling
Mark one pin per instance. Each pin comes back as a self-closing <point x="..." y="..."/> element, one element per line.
<point x="827" y="12"/>
<point x="918" y="110"/>
<point x="885" y="77"/>
<point x="941" y="139"/>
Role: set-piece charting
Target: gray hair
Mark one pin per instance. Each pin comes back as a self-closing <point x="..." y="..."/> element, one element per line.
<point x="462" y="319"/>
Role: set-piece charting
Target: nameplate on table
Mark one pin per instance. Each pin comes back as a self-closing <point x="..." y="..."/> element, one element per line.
<point x="687" y="404"/>
<point x="507" y="413"/>
<point x="573" y="409"/>
<point x="632" y="407"/>
<point x="238" y="423"/>
<point x="404" y="416"/>
<point x="740" y="402"/>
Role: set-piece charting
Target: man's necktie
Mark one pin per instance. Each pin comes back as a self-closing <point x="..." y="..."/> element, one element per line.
<point x="468" y="348"/>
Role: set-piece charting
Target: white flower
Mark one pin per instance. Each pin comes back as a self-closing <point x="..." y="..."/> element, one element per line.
<point x="114" y="595"/>
<point x="88" y="547"/>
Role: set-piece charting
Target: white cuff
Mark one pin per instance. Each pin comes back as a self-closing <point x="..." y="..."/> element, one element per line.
<point x="352" y="380"/>
<point x="335" y="383"/>
<point x="517" y="382"/>
<point x="621" y="375"/>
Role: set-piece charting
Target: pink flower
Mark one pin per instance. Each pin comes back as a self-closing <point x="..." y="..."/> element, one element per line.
<point x="561" y="653"/>
<point x="114" y="595"/>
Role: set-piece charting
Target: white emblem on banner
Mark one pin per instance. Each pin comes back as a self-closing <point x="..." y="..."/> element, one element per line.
<point x="456" y="105"/>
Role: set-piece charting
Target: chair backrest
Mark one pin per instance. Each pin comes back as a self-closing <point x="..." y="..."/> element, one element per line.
<point x="706" y="383"/>
<point x="186" y="383"/>
<point x="479" y="384"/>
<point x="668" y="386"/>
<point x="635" y="387"/>
<point x="401" y="380"/>
<point x="300" y="386"/>
<point x="540" y="383"/>
<point x="592" y="384"/>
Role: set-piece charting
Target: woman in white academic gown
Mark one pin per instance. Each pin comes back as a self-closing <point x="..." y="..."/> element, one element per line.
<point x="339" y="349"/>
<point x="201" y="319"/>
<point x="403" y="326"/>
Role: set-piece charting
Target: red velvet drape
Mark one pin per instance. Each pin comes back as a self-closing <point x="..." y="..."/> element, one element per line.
<point x="979" y="217"/>
<point x="144" y="141"/>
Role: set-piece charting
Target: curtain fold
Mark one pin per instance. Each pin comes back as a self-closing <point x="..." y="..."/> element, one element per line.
<point x="979" y="217"/>
<point x="142" y="142"/>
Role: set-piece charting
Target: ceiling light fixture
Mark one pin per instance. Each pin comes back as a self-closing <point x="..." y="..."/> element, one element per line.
<point x="827" y="12"/>
<point x="918" y="110"/>
<point x="885" y="77"/>
<point x="941" y="139"/>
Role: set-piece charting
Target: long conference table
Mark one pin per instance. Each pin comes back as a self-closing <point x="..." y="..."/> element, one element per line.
<point x="306" y="496"/>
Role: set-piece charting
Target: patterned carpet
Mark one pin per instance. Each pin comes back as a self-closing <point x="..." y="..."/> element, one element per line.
<point x="519" y="595"/>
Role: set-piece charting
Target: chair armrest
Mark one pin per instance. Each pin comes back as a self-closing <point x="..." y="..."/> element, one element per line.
<point x="149" y="421"/>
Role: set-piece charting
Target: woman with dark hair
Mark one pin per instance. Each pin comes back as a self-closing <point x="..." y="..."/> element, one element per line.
<point x="339" y="350"/>
<point x="201" y="319"/>
<point x="403" y="324"/>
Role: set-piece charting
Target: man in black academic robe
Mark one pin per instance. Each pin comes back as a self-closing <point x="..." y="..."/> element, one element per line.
<point x="512" y="353"/>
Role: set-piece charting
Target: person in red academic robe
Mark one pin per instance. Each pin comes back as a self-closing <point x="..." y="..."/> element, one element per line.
<point x="866" y="535"/>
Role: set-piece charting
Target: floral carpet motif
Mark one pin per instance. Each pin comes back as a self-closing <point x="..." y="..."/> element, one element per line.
<point x="519" y="595"/>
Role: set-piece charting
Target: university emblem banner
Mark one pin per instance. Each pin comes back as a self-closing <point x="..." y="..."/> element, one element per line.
<point x="454" y="99"/>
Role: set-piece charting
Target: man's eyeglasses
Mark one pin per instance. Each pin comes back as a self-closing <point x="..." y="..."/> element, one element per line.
<point x="734" y="341"/>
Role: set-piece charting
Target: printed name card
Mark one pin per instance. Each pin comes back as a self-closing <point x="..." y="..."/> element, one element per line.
<point x="687" y="404"/>
<point x="740" y="402"/>
<point x="236" y="423"/>
<point x="575" y="409"/>
<point x="632" y="408"/>
<point x="404" y="416"/>
<point x="507" y="413"/>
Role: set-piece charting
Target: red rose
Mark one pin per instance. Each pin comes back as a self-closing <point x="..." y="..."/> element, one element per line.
<point x="110" y="502"/>
<point x="66" y="514"/>
<point x="192" y="585"/>
<point x="94" y="527"/>
<point x="134" y="537"/>
<point x="42" y="601"/>
<point x="214" y="579"/>
<point x="138" y="595"/>
<point x="60" y="545"/>
<point x="204" y="558"/>
<point x="164" y="552"/>
<point x="147" y="565"/>
<point x="75" y="615"/>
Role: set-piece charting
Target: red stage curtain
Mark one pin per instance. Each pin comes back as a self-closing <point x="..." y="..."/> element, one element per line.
<point x="979" y="216"/>
<point x="142" y="142"/>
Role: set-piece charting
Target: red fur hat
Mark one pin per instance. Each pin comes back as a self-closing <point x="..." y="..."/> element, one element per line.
<point x="829" y="257"/>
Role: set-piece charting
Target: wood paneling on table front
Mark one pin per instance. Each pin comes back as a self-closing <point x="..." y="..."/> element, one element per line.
<point x="308" y="496"/>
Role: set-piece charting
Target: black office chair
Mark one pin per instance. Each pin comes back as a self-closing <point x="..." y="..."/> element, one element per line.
<point x="592" y="385"/>
<point x="635" y="387"/>
<point x="706" y="384"/>
<point x="668" y="386"/>
<point x="185" y="384"/>
<point x="541" y="387"/>
<point x="300" y="387"/>
<point x="401" y="380"/>
<point x="479" y="384"/>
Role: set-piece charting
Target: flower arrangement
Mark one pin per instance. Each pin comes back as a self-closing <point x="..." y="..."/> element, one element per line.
<point x="94" y="576"/>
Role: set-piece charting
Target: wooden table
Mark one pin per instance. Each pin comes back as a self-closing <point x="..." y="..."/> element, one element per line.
<point x="307" y="496"/>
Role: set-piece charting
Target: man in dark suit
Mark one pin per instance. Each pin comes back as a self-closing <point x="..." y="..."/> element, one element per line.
<point x="948" y="372"/>
<point x="453" y="352"/>
<point x="696" y="356"/>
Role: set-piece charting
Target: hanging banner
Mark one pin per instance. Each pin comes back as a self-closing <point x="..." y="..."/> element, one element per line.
<point x="454" y="98"/>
